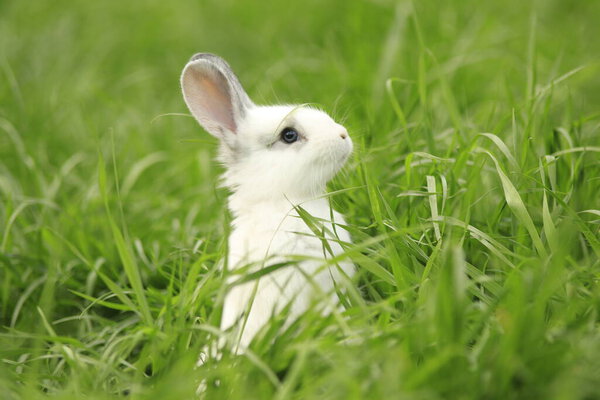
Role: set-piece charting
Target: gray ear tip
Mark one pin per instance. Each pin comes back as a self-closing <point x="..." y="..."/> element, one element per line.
<point x="205" y="56"/>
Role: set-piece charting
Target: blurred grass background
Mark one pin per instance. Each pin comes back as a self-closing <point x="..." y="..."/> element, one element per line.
<point x="478" y="254"/>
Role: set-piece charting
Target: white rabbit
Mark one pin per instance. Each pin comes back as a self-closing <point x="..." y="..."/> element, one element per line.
<point x="276" y="157"/>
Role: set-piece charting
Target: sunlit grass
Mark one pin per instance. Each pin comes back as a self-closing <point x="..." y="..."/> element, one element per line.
<point x="472" y="199"/>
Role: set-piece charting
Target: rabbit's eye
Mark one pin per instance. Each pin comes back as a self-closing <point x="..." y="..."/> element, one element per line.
<point x="289" y="135"/>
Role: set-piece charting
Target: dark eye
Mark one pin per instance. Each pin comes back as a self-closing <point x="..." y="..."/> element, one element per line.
<point x="289" y="135"/>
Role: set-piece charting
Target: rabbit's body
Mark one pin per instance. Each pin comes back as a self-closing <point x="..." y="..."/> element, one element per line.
<point x="263" y="235"/>
<point x="276" y="158"/>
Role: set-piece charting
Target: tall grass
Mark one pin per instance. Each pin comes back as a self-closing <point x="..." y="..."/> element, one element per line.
<point x="472" y="199"/>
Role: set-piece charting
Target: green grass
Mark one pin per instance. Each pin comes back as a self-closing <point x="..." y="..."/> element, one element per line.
<point x="472" y="198"/>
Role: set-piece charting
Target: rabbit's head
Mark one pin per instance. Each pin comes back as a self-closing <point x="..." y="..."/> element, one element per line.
<point x="268" y="150"/>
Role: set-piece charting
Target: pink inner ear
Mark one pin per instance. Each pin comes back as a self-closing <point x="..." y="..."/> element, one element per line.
<point x="209" y="92"/>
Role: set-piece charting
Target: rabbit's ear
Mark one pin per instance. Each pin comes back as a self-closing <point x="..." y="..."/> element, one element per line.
<point x="214" y="94"/>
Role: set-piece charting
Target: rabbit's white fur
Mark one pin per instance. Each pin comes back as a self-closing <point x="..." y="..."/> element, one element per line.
<point x="267" y="178"/>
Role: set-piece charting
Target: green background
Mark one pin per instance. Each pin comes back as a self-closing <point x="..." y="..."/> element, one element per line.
<point x="112" y="223"/>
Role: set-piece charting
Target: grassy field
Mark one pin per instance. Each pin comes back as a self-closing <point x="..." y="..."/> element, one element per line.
<point x="473" y="198"/>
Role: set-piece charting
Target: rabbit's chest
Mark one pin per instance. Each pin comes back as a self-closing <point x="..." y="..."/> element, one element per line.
<point x="255" y="239"/>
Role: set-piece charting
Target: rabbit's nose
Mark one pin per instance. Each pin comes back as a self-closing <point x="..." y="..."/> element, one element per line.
<point x="344" y="135"/>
